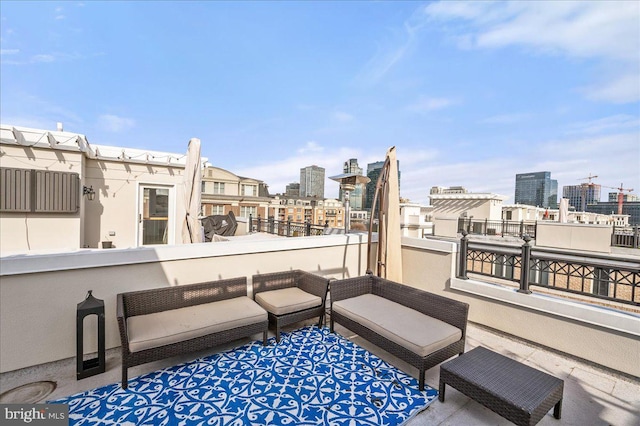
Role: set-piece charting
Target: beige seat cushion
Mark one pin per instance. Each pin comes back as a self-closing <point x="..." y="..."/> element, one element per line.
<point x="177" y="325"/>
<point x="408" y="328"/>
<point x="287" y="300"/>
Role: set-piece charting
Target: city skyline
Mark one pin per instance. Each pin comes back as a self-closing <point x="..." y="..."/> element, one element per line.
<point x="470" y="93"/>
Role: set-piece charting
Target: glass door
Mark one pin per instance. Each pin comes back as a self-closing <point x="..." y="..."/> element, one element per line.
<point x="154" y="216"/>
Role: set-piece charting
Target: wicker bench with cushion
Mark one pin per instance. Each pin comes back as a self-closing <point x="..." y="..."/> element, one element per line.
<point x="418" y="327"/>
<point x="291" y="296"/>
<point x="164" y="322"/>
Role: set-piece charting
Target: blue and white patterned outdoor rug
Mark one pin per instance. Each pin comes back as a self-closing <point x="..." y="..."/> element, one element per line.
<point x="311" y="377"/>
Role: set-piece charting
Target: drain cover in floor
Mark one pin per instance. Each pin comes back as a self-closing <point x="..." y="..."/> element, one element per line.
<point x="30" y="393"/>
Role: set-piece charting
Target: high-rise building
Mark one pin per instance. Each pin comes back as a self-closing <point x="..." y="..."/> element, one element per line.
<point x="537" y="189"/>
<point x="373" y="173"/>
<point x="613" y="197"/>
<point x="356" y="197"/>
<point x="632" y="208"/>
<point x="581" y="195"/>
<point x="312" y="181"/>
<point x="292" y="190"/>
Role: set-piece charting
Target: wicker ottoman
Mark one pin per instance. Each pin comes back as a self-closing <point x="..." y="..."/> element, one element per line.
<point x="516" y="391"/>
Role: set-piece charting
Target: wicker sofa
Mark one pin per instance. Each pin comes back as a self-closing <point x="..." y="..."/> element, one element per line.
<point x="418" y="327"/>
<point x="168" y="321"/>
<point x="291" y="296"/>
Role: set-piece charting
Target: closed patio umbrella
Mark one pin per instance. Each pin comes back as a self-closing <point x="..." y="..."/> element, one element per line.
<point x="387" y="197"/>
<point x="191" y="232"/>
<point x="563" y="214"/>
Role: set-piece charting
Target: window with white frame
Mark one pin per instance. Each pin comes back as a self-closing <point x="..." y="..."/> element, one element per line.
<point x="246" y="211"/>
<point x="249" y="190"/>
<point x="217" y="210"/>
<point x="218" y="187"/>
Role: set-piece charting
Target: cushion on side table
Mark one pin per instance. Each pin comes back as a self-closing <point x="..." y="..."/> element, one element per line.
<point x="287" y="300"/>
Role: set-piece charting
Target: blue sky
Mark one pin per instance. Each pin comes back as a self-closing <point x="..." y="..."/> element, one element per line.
<point x="470" y="93"/>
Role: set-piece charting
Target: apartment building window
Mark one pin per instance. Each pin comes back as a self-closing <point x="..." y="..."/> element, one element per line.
<point x="218" y="187"/>
<point x="249" y="190"/>
<point x="508" y="215"/>
<point x="246" y="211"/>
<point x="217" y="210"/>
<point x="203" y="187"/>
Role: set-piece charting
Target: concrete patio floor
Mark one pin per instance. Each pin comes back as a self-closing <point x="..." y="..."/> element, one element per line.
<point x="592" y="395"/>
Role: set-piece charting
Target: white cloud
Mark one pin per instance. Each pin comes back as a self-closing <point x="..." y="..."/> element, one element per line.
<point x="427" y="104"/>
<point x="393" y="49"/>
<point x="603" y="30"/>
<point x="43" y="58"/>
<point x="621" y="122"/>
<point x="619" y="90"/>
<point x="343" y="117"/>
<point x="613" y="157"/>
<point x="59" y="15"/>
<point x="280" y="173"/>
<point x="40" y="58"/>
<point x="310" y="146"/>
<point x="577" y="28"/>
<point x="506" y="118"/>
<point x="115" y="124"/>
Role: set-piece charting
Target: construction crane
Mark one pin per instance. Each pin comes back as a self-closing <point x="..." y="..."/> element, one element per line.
<point x="589" y="178"/>
<point x="583" y="192"/>
<point x="620" y="190"/>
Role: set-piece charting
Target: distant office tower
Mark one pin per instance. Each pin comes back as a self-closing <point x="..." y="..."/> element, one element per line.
<point x="312" y="181"/>
<point x="292" y="190"/>
<point x="373" y="173"/>
<point x="632" y="208"/>
<point x="537" y="189"/>
<point x="356" y="197"/>
<point x="613" y="197"/>
<point x="581" y="195"/>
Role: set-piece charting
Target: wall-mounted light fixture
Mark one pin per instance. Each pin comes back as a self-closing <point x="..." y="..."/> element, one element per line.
<point x="89" y="192"/>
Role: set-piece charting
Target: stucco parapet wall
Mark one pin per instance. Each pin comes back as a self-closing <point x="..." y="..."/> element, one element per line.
<point x="96" y="258"/>
<point x="430" y="244"/>
<point x="620" y="321"/>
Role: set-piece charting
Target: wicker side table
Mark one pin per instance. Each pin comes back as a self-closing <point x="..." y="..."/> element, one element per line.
<point x="516" y="391"/>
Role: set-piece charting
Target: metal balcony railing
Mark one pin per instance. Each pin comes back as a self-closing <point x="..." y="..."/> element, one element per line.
<point x="601" y="277"/>
<point x="286" y="228"/>
<point x="628" y="236"/>
<point x="497" y="227"/>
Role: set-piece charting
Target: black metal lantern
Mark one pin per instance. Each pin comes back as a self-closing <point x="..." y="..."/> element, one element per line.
<point x="90" y="367"/>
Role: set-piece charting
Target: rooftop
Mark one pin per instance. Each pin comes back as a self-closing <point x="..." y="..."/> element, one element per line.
<point x="595" y="350"/>
<point x="592" y="395"/>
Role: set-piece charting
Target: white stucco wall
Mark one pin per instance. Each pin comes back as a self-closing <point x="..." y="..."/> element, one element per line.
<point x="115" y="208"/>
<point x="39" y="293"/>
<point x="574" y="236"/>
<point x="23" y="232"/>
